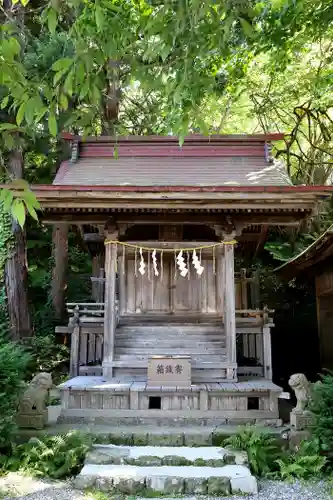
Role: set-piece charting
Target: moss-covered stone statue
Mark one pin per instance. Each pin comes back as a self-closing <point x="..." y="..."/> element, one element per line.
<point x="32" y="411"/>
<point x="300" y="417"/>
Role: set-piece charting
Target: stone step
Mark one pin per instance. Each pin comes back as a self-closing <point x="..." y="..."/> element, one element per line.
<point x="132" y="480"/>
<point x="143" y="434"/>
<point x="164" y="455"/>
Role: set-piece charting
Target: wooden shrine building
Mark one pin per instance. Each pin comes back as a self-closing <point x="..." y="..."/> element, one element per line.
<point x="175" y="325"/>
<point x="315" y="264"/>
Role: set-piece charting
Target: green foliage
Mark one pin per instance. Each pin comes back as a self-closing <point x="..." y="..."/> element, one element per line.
<point x="53" y="456"/>
<point x="321" y="406"/>
<point x="261" y="447"/>
<point x="13" y="363"/>
<point x="46" y="355"/>
<point x="267" y="458"/>
<point x="305" y="463"/>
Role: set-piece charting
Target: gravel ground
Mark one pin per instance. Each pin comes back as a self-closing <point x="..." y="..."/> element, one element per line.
<point x="15" y="486"/>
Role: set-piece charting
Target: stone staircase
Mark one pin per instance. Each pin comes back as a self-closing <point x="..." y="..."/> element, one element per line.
<point x="203" y="341"/>
<point x="170" y="470"/>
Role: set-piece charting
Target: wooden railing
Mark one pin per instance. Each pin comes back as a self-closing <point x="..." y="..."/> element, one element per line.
<point x="86" y="327"/>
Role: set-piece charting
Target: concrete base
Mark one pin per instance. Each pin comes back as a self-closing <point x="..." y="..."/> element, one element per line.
<point x="127" y="402"/>
<point x="168" y="479"/>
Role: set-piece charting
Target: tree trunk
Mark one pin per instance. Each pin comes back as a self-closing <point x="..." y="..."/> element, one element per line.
<point x="59" y="278"/>
<point x="16" y="269"/>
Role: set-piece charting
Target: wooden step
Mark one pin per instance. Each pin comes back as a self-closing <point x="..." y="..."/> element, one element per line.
<point x="168" y="351"/>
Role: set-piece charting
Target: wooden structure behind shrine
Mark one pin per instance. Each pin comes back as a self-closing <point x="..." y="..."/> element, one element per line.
<point x="173" y="327"/>
<point x="315" y="263"/>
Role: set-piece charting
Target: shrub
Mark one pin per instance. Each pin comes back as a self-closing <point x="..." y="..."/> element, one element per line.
<point x="53" y="456"/>
<point x="262" y="449"/>
<point x="321" y="407"/>
<point x="13" y="363"/>
<point x="46" y="356"/>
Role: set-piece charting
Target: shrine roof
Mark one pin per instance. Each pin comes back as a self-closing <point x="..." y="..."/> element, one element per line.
<point x="231" y="160"/>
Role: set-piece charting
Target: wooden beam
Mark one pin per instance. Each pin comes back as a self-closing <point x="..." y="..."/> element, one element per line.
<point x="97" y="218"/>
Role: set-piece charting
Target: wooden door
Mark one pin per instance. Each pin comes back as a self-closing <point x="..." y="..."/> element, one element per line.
<point x="170" y="293"/>
<point x="147" y="293"/>
<point x="194" y="293"/>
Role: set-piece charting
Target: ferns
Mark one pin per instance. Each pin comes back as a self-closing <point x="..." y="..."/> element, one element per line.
<point x="267" y="459"/>
<point x="306" y="462"/>
<point x="261" y="448"/>
<point x="54" y="456"/>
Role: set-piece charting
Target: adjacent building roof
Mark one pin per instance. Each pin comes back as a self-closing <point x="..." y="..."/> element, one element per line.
<point x="233" y="160"/>
<point x="315" y="254"/>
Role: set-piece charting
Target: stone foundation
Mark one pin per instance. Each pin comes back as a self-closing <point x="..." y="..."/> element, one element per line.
<point x="97" y="400"/>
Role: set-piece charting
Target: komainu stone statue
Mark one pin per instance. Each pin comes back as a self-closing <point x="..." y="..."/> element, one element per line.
<point x="300" y="417"/>
<point x="302" y="388"/>
<point x="32" y="411"/>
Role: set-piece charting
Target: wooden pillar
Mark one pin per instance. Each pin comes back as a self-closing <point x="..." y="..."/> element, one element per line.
<point x="229" y="306"/>
<point x="110" y="317"/>
<point x="59" y="278"/>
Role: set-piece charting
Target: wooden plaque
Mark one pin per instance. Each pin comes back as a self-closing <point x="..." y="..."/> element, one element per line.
<point x="169" y="370"/>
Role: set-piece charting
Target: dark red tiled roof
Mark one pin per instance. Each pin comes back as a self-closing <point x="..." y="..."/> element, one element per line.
<point x="160" y="161"/>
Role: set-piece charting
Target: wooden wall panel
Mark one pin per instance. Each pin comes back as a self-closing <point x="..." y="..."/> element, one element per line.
<point x="202" y="294"/>
<point x="325" y="322"/>
<point x="324" y="283"/>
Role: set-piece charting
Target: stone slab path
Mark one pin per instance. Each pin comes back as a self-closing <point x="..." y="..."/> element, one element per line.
<point x="23" y="488"/>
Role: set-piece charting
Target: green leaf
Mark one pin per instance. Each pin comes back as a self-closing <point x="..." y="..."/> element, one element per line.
<point x="247" y="27"/>
<point x="20" y="113"/>
<point x="24" y="2"/>
<point x="18" y="211"/>
<point x="8" y="126"/>
<point x="32" y="212"/>
<point x="6" y="196"/>
<point x="61" y="64"/>
<point x="68" y="85"/>
<point x="52" y="20"/>
<point x="31" y="200"/>
<point x="53" y="127"/>
<point x="29" y="110"/>
<point x="4" y="102"/>
<point x="59" y="75"/>
<point x="63" y="101"/>
<point x="99" y="16"/>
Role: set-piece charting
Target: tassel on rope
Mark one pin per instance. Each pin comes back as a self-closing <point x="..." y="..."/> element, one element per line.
<point x="175" y="258"/>
<point x="142" y="268"/>
<point x="188" y="264"/>
<point x="148" y="264"/>
<point x="214" y="261"/>
<point x="123" y="262"/>
<point x="197" y="264"/>
<point x="153" y="256"/>
<point x="181" y="264"/>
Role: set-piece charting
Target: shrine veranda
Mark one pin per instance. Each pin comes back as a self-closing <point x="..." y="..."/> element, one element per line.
<point x="173" y="333"/>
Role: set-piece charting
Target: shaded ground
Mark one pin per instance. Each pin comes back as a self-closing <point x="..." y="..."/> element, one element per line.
<point x="26" y="488"/>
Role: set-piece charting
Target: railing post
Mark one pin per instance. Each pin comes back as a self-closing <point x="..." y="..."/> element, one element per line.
<point x="267" y="345"/>
<point x="75" y="343"/>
